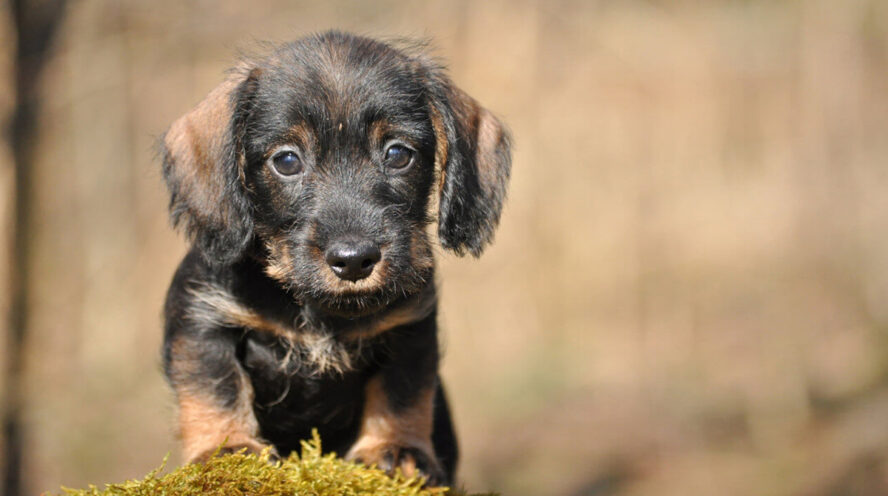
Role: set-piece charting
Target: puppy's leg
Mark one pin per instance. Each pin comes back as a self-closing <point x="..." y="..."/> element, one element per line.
<point x="205" y="425"/>
<point x="443" y="434"/>
<point x="398" y="417"/>
<point x="398" y="436"/>
<point x="215" y="398"/>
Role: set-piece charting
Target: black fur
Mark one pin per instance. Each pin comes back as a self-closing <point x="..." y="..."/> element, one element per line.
<point x="336" y="100"/>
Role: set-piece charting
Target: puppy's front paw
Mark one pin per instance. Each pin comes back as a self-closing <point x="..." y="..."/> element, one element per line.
<point x="412" y="461"/>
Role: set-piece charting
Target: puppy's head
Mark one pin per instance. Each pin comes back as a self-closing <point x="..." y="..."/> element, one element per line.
<point x="322" y="158"/>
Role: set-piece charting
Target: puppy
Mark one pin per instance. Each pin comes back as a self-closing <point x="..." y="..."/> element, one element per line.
<point x="305" y="183"/>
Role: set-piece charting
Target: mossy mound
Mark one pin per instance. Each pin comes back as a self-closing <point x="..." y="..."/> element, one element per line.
<point x="309" y="474"/>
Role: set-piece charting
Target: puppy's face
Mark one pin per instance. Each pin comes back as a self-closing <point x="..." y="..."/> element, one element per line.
<point x="324" y="157"/>
<point x="340" y="160"/>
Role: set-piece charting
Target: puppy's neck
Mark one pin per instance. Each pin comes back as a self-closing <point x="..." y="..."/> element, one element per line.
<point x="248" y="298"/>
<point x="403" y="311"/>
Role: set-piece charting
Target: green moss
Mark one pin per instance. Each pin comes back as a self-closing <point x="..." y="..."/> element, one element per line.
<point x="311" y="474"/>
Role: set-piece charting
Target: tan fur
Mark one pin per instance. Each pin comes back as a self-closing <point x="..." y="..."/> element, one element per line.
<point x="414" y="310"/>
<point x="369" y="284"/>
<point x="280" y="265"/>
<point x="384" y="430"/>
<point x="280" y="261"/>
<point x="218" y="307"/>
<point x="490" y="133"/>
<point x="299" y="134"/>
<point x="487" y="130"/>
<point x="204" y="426"/>
<point x="187" y="361"/>
<point x="441" y="146"/>
<point x="421" y="251"/>
<point x="194" y="142"/>
<point x="322" y="352"/>
<point x="378" y="131"/>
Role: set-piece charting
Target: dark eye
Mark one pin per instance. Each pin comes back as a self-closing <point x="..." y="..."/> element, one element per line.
<point x="398" y="157"/>
<point x="287" y="163"/>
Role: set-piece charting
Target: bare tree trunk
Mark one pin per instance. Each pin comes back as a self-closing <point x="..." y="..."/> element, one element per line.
<point x="35" y="22"/>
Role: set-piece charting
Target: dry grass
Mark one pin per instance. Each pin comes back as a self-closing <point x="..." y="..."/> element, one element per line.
<point x="687" y="294"/>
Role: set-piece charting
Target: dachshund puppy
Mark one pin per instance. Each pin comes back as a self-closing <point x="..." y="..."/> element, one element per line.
<point x="306" y="183"/>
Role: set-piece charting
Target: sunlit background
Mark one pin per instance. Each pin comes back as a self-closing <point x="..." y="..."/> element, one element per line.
<point x="688" y="293"/>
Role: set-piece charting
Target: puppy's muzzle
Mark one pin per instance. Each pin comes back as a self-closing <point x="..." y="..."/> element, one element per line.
<point x="351" y="259"/>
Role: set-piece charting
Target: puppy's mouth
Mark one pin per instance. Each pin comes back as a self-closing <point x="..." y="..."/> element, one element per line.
<point x="403" y="309"/>
<point x="367" y="296"/>
<point x="349" y="307"/>
<point x="350" y="298"/>
<point x="313" y="280"/>
<point x="317" y="285"/>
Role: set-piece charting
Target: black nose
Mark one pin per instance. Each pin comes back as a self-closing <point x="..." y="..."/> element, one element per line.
<point x="353" y="260"/>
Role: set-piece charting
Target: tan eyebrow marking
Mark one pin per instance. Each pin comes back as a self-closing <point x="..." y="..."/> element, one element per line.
<point x="379" y="129"/>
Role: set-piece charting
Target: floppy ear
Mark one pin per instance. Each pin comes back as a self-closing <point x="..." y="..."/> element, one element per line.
<point x="203" y="170"/>
<point x="474" y="158"/>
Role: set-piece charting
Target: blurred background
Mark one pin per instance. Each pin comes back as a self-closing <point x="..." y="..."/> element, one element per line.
<point x="688" y="294"/>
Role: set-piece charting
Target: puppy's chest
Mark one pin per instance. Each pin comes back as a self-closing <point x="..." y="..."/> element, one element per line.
<point x="291" y="396"/>
<point x="306" y="360"/>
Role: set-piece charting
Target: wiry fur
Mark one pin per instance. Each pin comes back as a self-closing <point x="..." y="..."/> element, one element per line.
<point x="260" y="332"/>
